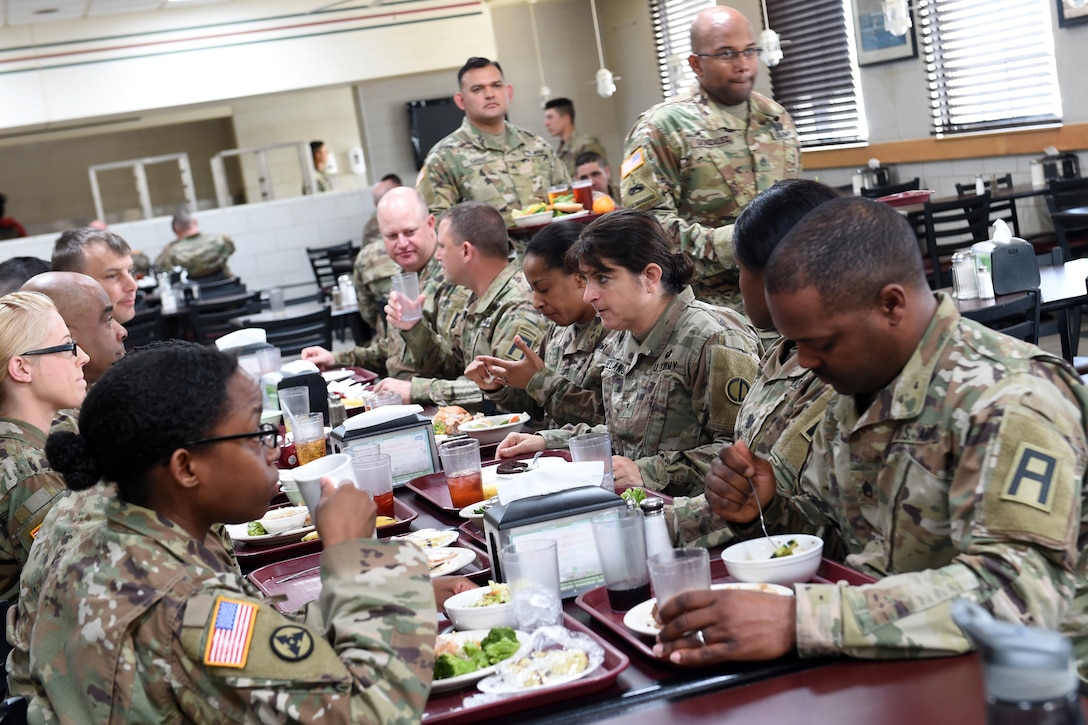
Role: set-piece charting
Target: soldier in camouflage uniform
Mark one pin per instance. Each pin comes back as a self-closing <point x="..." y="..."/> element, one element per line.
<point x="203" y="255"/>
<point x="371" y="273"/>
<point x="559" y="120"/>
<point x="696" y="161"/>
<point x="952" y="461"/>
<point x="371" y="233"/>
<point x="473" y="249"/>
<point x="674" y="380"/>
<point x="786" y="401"/>
<point x="42" y="374"/>
<point x="200" y="645"/>
<point x="488" y="159"/>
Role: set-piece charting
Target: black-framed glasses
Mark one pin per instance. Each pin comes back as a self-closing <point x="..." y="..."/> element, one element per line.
<point x="66" y="347"/>
<point x="730" y="54"/>
<point x="268" y="433"/>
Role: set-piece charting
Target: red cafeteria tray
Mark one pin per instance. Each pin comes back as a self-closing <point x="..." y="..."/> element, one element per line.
<point x="433" y="486"/>
<point x="595" y="601"/>
<point x="449" y="707"/>
<point x="300" y="591"/>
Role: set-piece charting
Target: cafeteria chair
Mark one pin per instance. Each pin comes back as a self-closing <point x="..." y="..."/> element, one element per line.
<point x="1018" y="317"/>
<point x="292" y="334"/>
<point x="145" y="327"/>
<point x="951" y="225"/>
<point x="876" y="192"/>
<point x="209" y="320"/>
<point x="329" y="263"/>
<point x="1068" y="205"/>
<point x="1002" y="208"/>
<point x="221" y="288"/>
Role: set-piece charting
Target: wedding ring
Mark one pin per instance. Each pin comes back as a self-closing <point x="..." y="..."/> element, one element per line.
<point x="700" y="637"/>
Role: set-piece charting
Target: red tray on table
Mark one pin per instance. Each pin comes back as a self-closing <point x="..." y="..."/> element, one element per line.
<point x="449" y="707"/>
<point x="433" y="486"/>
<point x="595" y="602"/>
<point x="303" y="575"/>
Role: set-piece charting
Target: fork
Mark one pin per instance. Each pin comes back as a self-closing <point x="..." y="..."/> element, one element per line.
<point x="762" y="521"/>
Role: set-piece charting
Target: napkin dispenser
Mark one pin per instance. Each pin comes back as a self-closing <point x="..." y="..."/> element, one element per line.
<point x="408" y="441"/>
<point x="564" y="517"/>
<point x="1014" y="267"/>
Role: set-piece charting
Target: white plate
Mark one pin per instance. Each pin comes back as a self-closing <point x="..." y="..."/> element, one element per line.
<point x="640" y="618"/>
<point x="575" y="215"/>
<point x="453" y="558"/>
<point x="495" y="684"/>
<point x="468" y="513"/>
<point x="238" y="532"/>
<point x="429" y="538"/>
<point x="452" y="683"/>
<point x="331" y="376"/>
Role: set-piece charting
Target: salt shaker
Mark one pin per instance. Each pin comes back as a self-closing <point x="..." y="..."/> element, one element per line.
<point x="985" y="283"/>
<point x="657" y="531"/>
<point x="980" y="185"/>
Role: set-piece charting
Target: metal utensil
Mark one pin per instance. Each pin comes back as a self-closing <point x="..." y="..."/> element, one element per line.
<point x="532" y="463"/>
<point x="762" y="521"/>
<point x="298" y="574"/>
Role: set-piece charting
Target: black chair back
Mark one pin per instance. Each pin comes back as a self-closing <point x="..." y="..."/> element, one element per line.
<point x="329" y="263"/>
<point x="221" y="288"/>
<point x="1017" y="318"/>
<point x="210" y="319"/>
<point x="1067" y="194"/>
<point x="876" y="192"/>
<point x="1001" y="209"/>
<point x="293" y="334"/>
<point x="952" y="225"/>
<point x="147" y="326"/>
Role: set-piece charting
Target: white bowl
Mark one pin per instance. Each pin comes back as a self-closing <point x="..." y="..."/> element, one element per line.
<point x="464" y="615"/>
<point x="492" y="429"/>
<point x="283" y="519"/>
<point x="750" y="561"/>
<point x="541" y="217"/>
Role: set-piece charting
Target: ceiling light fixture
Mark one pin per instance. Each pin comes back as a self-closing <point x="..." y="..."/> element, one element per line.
<point x="770" y="41"/>
<point x="545" y="92"/>
<point x="606" y="82"/>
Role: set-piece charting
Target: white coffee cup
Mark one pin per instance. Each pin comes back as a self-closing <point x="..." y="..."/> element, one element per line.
<point x="308" y="477"/>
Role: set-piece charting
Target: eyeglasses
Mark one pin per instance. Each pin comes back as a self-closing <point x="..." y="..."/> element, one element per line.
<point x="731" y="54"/>
<point x="66" y="347"/>
<point x="268" y="433"/>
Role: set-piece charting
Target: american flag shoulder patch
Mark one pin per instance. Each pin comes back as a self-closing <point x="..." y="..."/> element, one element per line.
<point x="230" y="633"/>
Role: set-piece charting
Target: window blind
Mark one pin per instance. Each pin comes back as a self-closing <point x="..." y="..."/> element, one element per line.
<point x="672" y="21"/>
<point x="817" y="80"/>
<point x="990" y="64"/>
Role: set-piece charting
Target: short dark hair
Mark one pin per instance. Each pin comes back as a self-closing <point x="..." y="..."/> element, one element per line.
<point x="473" y="63"/>
<point x="15" y="272"/>
<point x="771" y="214"/>
<point x="590" y="157"/>
<point x="122" y="437"/>
<point x="68" y="249"/>
<point x="632" y="240"/>
<point x="315" y="146"/>
<point x="482" y="225"/>
<point x="394" y="178"/>
<point x="562" y="105"/>
<point x="553" y="242"/>
<point x="848" y="250"/>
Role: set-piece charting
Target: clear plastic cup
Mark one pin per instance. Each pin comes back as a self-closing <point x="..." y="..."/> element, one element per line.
<point x="594" y="447"/>
<point x="679" y="570"/>
<point x="532" y="570"/>
<point x="407" y="284"/>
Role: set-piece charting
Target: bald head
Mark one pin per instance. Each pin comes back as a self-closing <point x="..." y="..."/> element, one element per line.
<point x="714" y="22"/>
<point x="407" y="228"/>
<point x="88" y="313"/>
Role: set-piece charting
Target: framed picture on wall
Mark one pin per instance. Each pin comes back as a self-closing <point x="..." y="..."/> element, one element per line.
<point x="1069" y="15"/>
<point x="875" y="44"/>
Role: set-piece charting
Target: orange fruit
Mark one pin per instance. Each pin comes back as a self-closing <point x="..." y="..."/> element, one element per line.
<point x="603" y="204"/>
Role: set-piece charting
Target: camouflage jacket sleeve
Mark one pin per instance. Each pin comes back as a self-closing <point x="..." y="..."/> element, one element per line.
<point x="24" y="508"/>
<point x="564" y="401"/>
<point x="437" y="184"/>
<point x="370" y="661"/>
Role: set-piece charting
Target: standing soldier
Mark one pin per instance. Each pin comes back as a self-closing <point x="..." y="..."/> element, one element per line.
<point x="204" y="256"/>
<point x="559" y="120"/>
<point x="488" y="159"/>
<point x="696" y="161"/>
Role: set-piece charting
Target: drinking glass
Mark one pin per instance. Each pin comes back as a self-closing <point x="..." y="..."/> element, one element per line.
<point x="374" y="474"/>
<point x="679" y="570"/>
<point x="407" y="284"/>
<point x="620" y="538"/>
<point x="461" y="463"/>
<point x="594" y="447"/>
<point x="532" y="570"/>
<point x="309" y="437"/>
<point x="294" y="402"/>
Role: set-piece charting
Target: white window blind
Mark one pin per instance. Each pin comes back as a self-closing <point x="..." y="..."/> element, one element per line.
<point x="817" y="80"/>
<point x="990" y="64"/>
<point x="672" y="21"/>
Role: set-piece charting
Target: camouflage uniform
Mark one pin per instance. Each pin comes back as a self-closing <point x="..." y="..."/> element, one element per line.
<point x="776" y="421"/>
<point x="201" y="254"/>
<point x="578" y="143"/>
<point x="31" y="488"/>
<point x="568" y="388"/>
<point x="469" y="166"/>
<point x="487" y="326"/>
<point x="964" y="477"/>
<point x="385" y="354"/>
<point x="371" y="273"/>
<point x="145" y="598"/>
<point x="672" y="400"/>
<point x="695" y="167"/>
<point x="371" y="232"/>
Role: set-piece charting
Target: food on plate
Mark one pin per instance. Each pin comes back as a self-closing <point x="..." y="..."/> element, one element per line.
<point x="543" y="667"/>
<point x="511" y="468"/>
<point x="499" y="594"/>
<point x="529" y="210"/>
<point x="481" y="423"/>
<point x="787" y="549"/>
<point x="448" y="419"/>
<point x="312" y="536"/>
<point x="254" y="528"/>
<point x="455" y="657"/>
<point x="429" y="538"/>
<point x="385" y="521"/>
<point x="603" y="204"/>
<point x="439" y="557"/>
<point x="634" y="496"/>
<point x="567" y="207"/>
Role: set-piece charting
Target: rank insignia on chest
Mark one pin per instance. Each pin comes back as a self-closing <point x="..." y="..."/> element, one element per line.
<point x="230" y="633"/>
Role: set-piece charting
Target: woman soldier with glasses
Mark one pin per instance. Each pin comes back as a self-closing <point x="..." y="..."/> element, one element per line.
<point x="133" y="612"/>
<point x="42" y="373"/>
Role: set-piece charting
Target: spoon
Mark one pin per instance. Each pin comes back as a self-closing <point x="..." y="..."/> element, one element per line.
<point x="532" y="463"/>
<point x="762" y="521"/>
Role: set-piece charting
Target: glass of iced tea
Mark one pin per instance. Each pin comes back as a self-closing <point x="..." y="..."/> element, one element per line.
<point x="374" y="474"/>
<point x="461" y="462"/>
<point x="583" y="193"/>
<point x="309" y="437"/>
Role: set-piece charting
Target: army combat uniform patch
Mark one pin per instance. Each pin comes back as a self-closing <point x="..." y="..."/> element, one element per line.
<point x="230" y="633"/>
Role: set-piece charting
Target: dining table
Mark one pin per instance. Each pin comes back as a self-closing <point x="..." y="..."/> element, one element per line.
<point x="637" y="688"/>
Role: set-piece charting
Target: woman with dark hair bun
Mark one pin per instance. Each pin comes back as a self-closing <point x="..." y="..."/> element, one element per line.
<point x="674" y="378"/>
<point x="132" y="611"/>
<point x="561" y="383"/>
